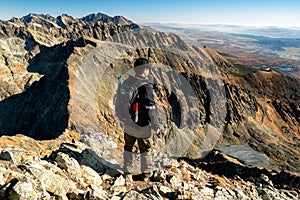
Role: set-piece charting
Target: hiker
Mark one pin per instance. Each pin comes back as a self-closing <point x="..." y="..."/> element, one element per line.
<point x="140" y="122"/>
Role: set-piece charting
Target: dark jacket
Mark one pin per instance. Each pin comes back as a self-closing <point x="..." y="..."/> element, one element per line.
<point x="147" y="108"/>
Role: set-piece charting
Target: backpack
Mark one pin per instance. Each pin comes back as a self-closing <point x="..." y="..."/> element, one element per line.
<point x="127" y="102"/>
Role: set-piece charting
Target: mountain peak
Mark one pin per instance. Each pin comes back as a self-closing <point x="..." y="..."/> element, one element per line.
<point x="96" y="17"/>
<point x="33" y="17"/>
<point x="119" y="20"/>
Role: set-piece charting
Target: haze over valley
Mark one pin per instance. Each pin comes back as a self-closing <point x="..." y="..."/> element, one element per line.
<point x="275" y="47"/>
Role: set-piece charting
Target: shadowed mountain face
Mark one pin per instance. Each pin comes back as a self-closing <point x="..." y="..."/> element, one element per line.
<point x="61" y="74"/>
<point x="41" y="110"/>
<point x="34" y="69"/>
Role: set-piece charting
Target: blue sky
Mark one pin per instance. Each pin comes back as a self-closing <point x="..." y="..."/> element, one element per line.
<point x="254" y="12"/>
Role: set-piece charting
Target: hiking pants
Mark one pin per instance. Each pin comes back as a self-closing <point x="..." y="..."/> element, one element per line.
<point x="144" y="145"/>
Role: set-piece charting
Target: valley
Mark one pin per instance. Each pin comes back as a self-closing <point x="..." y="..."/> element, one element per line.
<point x="260" y="47"/>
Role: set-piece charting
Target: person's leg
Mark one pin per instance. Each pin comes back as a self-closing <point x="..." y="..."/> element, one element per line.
<point x="129" y="143"/>
<point x="145" y="145"/>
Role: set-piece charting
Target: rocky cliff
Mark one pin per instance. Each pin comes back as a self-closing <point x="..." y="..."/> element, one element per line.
<point x="262" y="111"/>
<point x="58" y="80"/>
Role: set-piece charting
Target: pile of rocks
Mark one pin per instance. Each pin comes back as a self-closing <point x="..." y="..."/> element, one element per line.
<point x="74" y="172"/>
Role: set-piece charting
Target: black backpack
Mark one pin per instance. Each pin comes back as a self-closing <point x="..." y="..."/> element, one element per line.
<point x="127" y="101"/>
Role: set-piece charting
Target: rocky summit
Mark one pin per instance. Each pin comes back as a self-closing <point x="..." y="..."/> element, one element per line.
<point x="227" y="131"/>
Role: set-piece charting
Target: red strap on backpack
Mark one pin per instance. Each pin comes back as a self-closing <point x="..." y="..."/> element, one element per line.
<point x="136" y="112"/>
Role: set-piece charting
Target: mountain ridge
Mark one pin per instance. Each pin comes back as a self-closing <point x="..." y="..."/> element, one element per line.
<point x="90" y="19"/>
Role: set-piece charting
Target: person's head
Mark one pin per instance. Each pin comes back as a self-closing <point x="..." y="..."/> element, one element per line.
<point x="142" y="67"/>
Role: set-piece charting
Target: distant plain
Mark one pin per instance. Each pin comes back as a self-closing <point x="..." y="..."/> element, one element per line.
<point x="260" y="47"/>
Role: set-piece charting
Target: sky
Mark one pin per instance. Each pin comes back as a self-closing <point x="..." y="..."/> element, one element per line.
<point x="284" y="13"/>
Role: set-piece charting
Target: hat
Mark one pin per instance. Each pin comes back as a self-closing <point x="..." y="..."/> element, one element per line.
<point x="142" y="62"/>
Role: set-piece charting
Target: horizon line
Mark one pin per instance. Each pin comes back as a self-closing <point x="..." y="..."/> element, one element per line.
<point x="226" y="24"/>
<point x="165" y="22"/>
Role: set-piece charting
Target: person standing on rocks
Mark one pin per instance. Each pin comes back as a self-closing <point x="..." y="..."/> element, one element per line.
<point x="135" y="107"/>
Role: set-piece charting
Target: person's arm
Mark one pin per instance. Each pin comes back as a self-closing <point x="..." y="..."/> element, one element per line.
<point x="151" y="107"/>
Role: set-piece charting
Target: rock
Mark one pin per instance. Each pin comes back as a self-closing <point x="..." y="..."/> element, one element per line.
<point x="5" y="155"/>
<point x="98" y="193"/>
<point x="2" y="182"/>
<point x="241" y="195"/>
<point x="176" y="181"/>
<point x="76" y="194"/>
<point x="23" y="148"/>
<point x="222" y="193"/>
<point x="158" y="175"/>
<point x="106" y="177"/>
<point x="199" y="177"/>
<point x="165" y="189"/>
<point x="119" y="192"/>
<point x="7" y="189"/>
<point x="82" y="174"/>
<point x="67" y="163"/>
<point x="167" y="162"/>
<point x="114" y="197"/>
<point x="290" y="194"/>
<point x="90" y="176"/>
<point x="207" y="193"/>
<point x="152" y="193"/>
<point x="38" y="179"/>
<point x="8" y="174"/>
<point x="29" y="189"/>
<point x="112" y="172"/>
<point x="2" y="193"/>
<point x="16" y="155"/>
<point x="265" y="180"/>
<point x="120" y="181"/>
<point x="246" y="154"/>
<point x="134" y="195"/>
<point x="58" y="185"/>
<point x="128" y="181"/>
<point x="265" y="195"/>
<point x="90" y="158"/>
